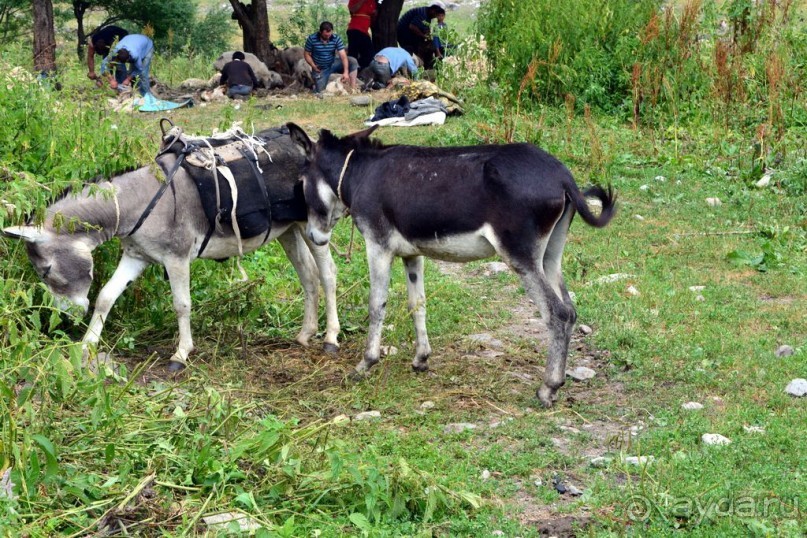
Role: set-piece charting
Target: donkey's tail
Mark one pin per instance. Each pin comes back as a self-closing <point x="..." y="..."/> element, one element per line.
<point x="608" y="198"/>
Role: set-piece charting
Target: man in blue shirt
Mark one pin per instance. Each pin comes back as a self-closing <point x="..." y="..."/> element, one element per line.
<point x="325" y="52"/>
<point x="136" y="50"/>
<point x="389" y="61"/>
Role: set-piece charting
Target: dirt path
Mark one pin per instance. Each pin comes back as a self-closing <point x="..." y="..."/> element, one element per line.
<point x="592" y="419"/>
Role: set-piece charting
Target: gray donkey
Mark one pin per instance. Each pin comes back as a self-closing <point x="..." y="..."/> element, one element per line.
<point x="172" y="235"/>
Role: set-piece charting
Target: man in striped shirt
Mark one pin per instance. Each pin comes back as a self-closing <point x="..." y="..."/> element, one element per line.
<point x="325" y="52"/>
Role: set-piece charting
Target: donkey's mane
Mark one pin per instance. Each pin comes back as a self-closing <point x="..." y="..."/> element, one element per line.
<point x="67" y="191"/>
<point x="95" y="211"/>
<point x="351" y="142"/>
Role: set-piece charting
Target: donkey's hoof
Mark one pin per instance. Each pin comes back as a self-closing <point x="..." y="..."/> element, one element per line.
<point x="547" y="396"/>
<point x="175" y="366"/>
<point x="330" y="349"/>
<point x="356" y="376"/>
<point x="420" y="367"/>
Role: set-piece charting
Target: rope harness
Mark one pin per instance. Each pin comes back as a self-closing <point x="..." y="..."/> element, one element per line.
<point x="198" y="152"/>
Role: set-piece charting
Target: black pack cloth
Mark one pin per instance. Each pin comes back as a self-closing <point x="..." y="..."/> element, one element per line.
<point x="392" y="109"/>
<point x="279" y="197"/>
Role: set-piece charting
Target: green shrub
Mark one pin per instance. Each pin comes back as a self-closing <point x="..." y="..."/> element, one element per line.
<point x="571" y="45"/>
<point x="305" y="19"/>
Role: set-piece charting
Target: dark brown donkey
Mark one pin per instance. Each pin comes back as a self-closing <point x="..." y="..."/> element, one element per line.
<point x="456" y="204"/>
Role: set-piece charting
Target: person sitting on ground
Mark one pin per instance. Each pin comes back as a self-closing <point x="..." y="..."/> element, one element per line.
<point x="390" y="61"/>
<point x="238" y="76"/>
<point x="359" y="42"/>
<point x="325" y="52"/>
<point x="136" y="50"/>
<point x="99" y="42"/>
<point x="414" y="34"/>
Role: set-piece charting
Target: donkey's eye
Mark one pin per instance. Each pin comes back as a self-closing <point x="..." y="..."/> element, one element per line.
<point x="46" y="272"/>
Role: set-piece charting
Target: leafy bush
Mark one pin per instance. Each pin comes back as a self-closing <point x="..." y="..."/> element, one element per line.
<point x="305" y="19"/>
<point x="572" y="47"/>
<point x="737" y="63"/>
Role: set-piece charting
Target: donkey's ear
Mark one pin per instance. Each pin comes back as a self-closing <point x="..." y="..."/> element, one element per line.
<point x="31" y="234"/>
<point x="365" y="133"/>
<point x="299" y="137"/>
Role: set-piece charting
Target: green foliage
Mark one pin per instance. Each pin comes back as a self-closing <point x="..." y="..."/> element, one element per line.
<point x="737" y="62"/>
<point x="305" y="19"/>
<point x="205" y="36"/>
<point x="566" y="47"/>
<point x="15" y="18"/>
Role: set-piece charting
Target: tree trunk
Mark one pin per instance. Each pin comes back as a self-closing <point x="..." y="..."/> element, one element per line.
<point x="253" y="19"/>
<point x="385" y="26"/>
<point x="79" y="8"/>
<point x="44" y="37"/>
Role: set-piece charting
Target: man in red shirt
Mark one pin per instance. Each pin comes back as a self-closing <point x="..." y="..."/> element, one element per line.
<point x="359" y="43"/>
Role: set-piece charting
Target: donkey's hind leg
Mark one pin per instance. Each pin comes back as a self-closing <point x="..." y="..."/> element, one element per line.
<point x="179" y="275"/>
<point x="417" y="307"/>
<point x="303" y="262"/>
<point x="129" y="268"/>
<point x="558" y="315"/>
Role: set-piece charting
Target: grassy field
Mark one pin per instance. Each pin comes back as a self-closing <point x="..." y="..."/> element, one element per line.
<point x="687" y="299"/>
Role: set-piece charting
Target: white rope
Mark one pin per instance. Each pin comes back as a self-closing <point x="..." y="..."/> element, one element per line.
<point x="342" y="176"/>
<point x="117" y="208"/>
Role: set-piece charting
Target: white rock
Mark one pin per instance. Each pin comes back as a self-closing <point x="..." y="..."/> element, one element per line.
<point x="222" y="521"/>
<point x="713" y="202"/>
<point x="599" y="461"/>
<point x="428" y="404"/>
<point x="593" y="202"/>
<point x="692" y="406"/>
<point x="368" y="415"/>
<point x="785" y="351"/>
<point x="764" y="181"/>
<point x="486" y="340"/>
<point x="633" y="291"/>
<point x="388" y="351"/>
<point x="581" y="373"/>
<point x="754" y="429"/>
<point x="696" y="289"/>
<point x="639" y="460"/>
<point x="608" y="279"/>
<point x="639" y="218"/>
<point x="538" y="483"/>
<point x="497" y="533"/>
<point x="458" y="427"/>
<point x="485" y="474"/>
<point x="700" y="298"/>
<point x="797" y="387"/>
<point x="585" y="329"/>
<point x="494" y="268"/>
<point x="715" y="439"/>
<point x="661" y="179"/>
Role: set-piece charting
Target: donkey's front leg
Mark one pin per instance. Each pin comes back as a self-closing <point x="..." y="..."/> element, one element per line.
<point x="416" y="291"/>
<point x="179" y="275"/>
<point x="327" y="277"/>
<point x="379" y="261"/>
<point x="129" y="268"/>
